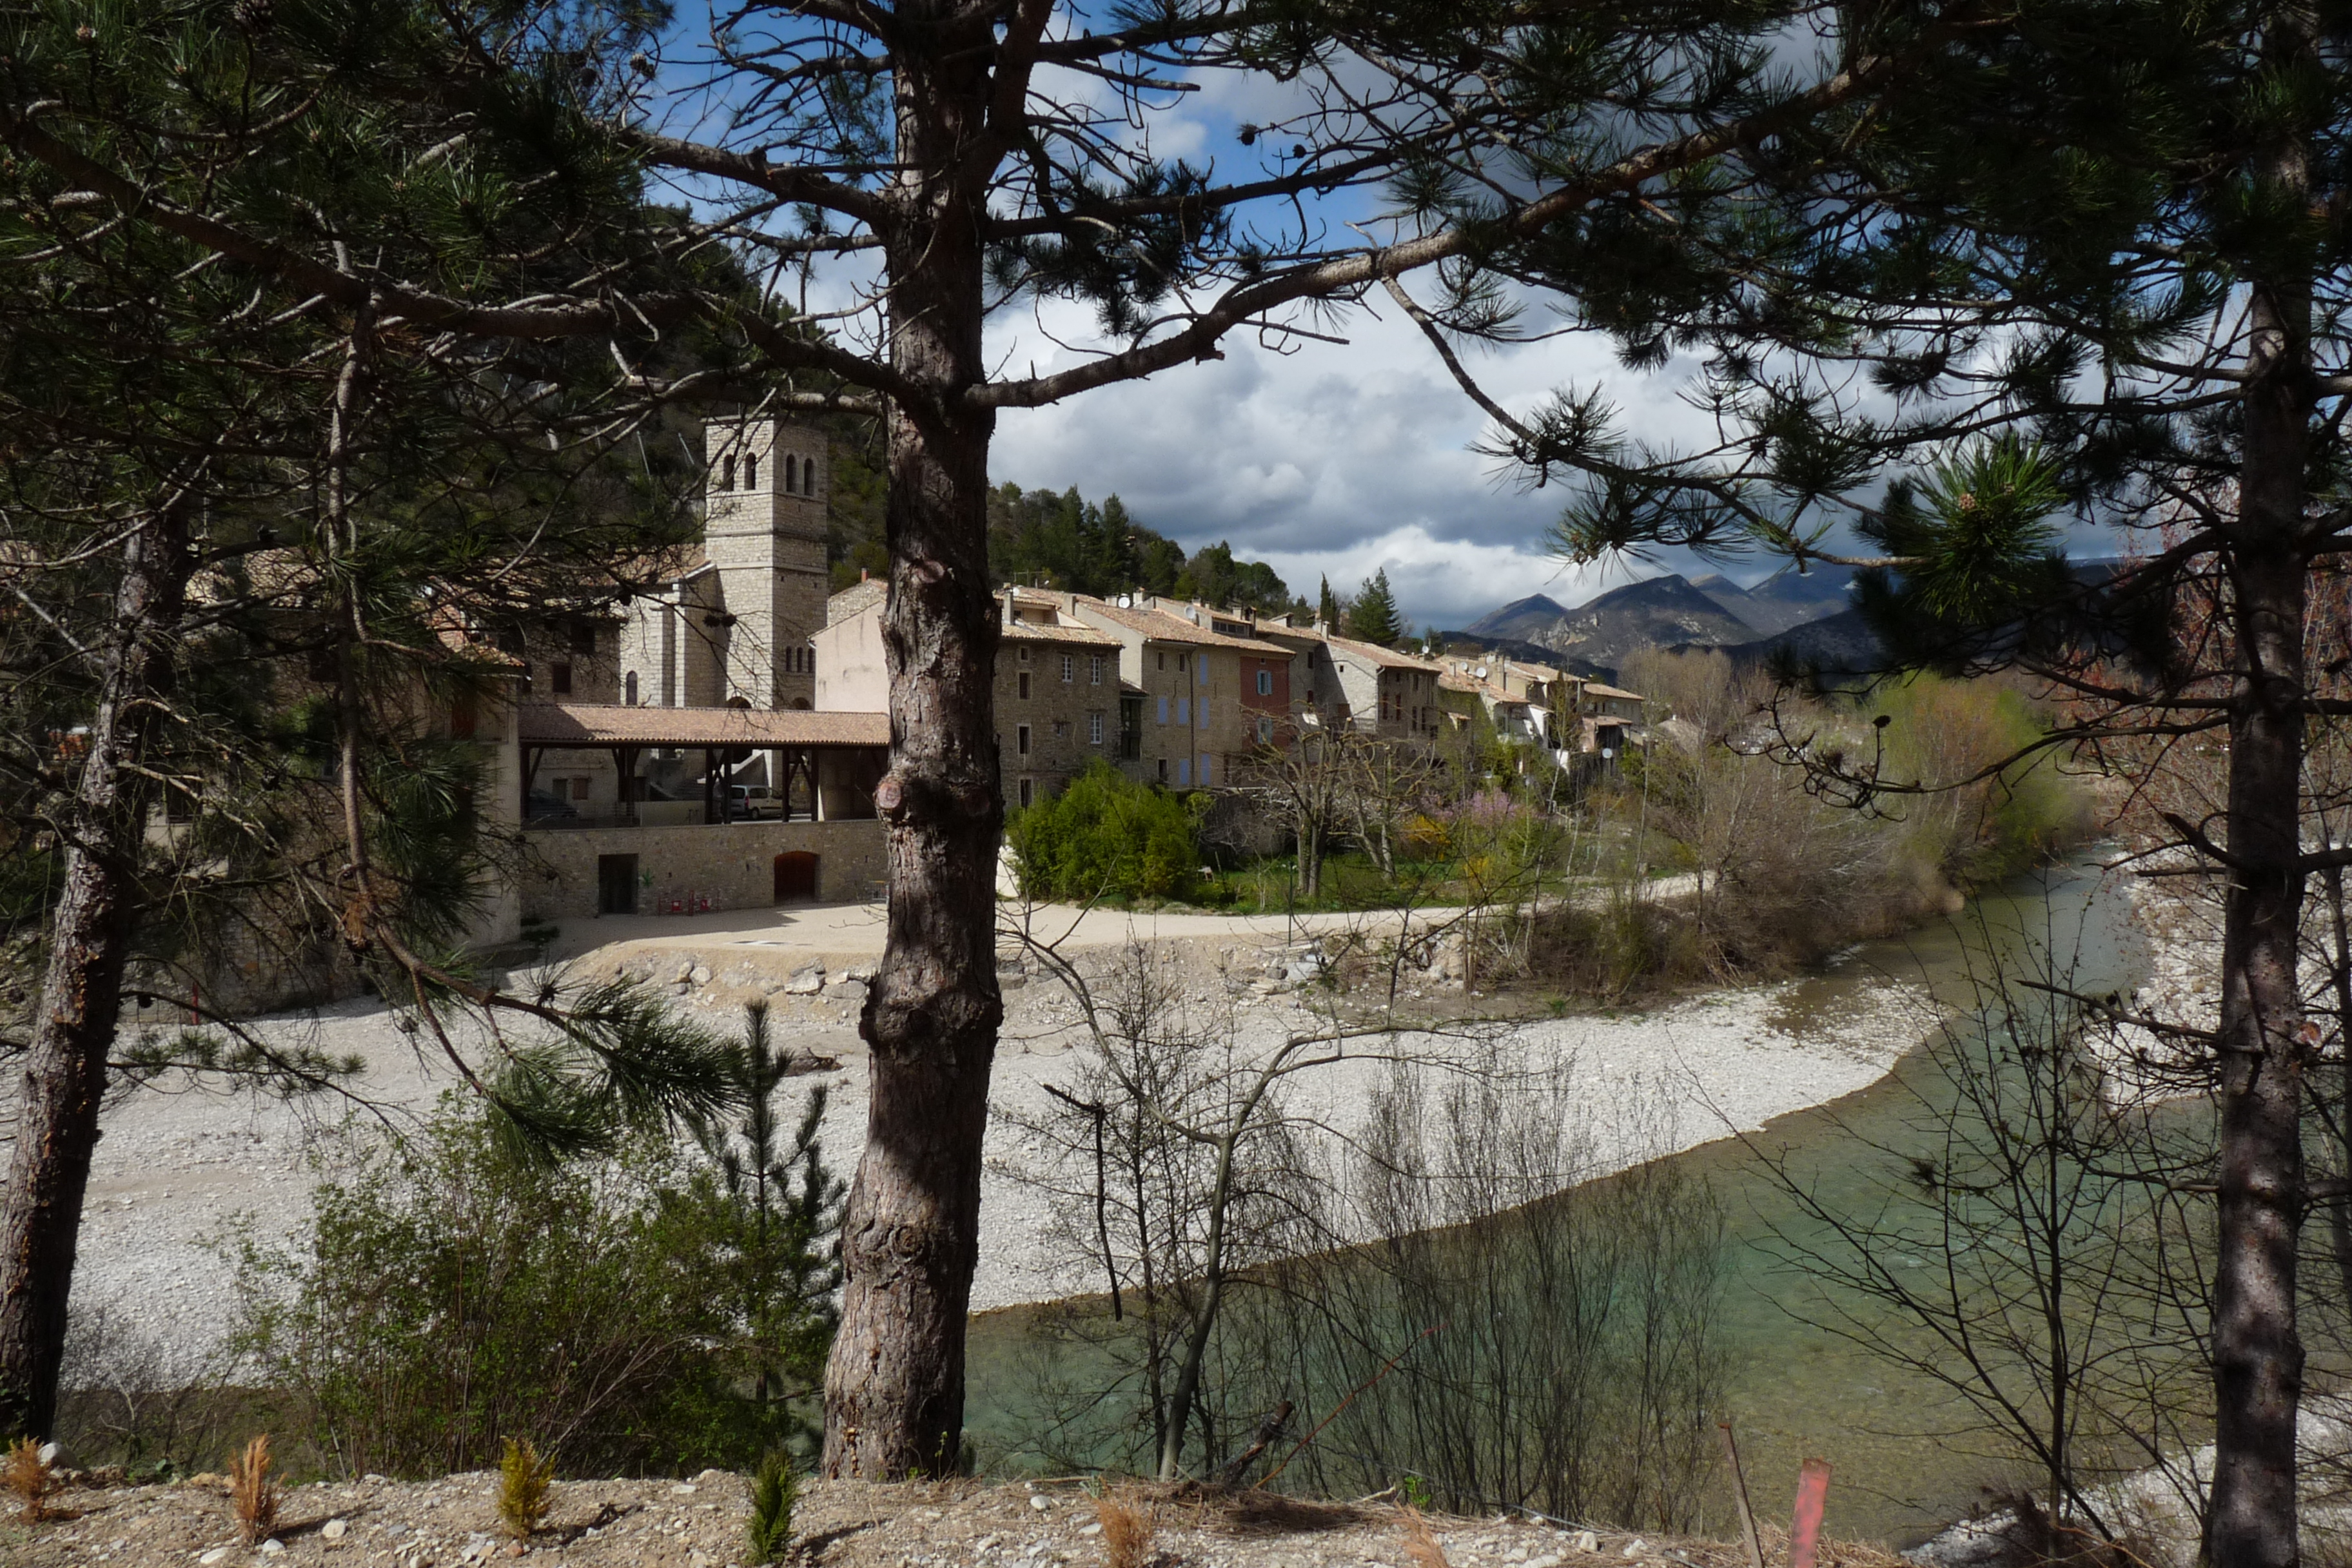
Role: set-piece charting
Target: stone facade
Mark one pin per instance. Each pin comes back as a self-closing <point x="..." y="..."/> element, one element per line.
<point x="734" y="624"/>
<point x="1377" y="690"/>
<point x="1195" y="672"/>
<point x="1056" y="690"/>
<point x="732" y="866"/>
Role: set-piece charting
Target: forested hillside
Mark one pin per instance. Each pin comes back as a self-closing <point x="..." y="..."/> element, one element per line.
<point x="1062" y="540"/>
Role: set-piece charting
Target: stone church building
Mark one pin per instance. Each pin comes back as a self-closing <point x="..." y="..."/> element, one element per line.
<point x="733" y="628"/>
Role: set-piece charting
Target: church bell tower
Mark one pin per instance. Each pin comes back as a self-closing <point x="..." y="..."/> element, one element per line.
<point x="764" y="530"/>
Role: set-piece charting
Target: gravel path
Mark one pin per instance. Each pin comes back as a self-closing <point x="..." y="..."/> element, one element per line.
<point x="176" y="1168"/>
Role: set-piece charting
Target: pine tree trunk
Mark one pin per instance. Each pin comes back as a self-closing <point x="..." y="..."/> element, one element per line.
<point x="81" y="989"/>
<point x="2257" y="1351"/>
<point x="893" y="1387"/>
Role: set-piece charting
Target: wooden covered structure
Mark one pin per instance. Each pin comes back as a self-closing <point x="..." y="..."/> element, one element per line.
<point x="840" y="756"/>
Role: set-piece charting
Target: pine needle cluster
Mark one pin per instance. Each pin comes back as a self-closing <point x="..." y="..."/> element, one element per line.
<point x="29" y="1476"/>
<point x="252" y="1493"/>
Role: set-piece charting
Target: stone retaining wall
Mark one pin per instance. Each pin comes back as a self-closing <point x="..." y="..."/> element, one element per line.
<point x="732" y="866"/>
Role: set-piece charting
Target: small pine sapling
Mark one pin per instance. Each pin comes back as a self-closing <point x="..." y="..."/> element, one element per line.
<point x="30" y="1477"/>
<point x="524" y="1482"/>
<point x="252" y="1493"/>
<point x="1127" y="1532"/>
<point x="776" y="1488"/>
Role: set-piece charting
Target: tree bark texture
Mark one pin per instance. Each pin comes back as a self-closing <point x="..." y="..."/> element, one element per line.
<point x="893" y="1387"/>
<point x="82" y="988"/>
<point x="2257" y="1351"/>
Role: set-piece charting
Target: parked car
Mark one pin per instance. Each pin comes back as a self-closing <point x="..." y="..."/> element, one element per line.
<point x="753" y="803"/>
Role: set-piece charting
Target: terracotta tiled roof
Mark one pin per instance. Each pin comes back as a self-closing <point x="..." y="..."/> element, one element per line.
<point x="1594" y="689"/>
<point x="855" y="600"/>
<point x="610" y="724"/>
<point x="1159" y="625"/>
<point x="1370" y="653"/>
<point x="1039" y="631"/>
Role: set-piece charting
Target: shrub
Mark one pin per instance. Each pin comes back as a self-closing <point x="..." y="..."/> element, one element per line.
<point x="776" y="1488"/>
<point x="451" y="1291"/>
<point x="524" y="1478"/>
<point x="1106" y="834"/>
<point x="1127" y="1531"/>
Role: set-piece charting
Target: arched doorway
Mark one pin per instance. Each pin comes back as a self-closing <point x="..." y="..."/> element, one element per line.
<point x="795" y="876"/>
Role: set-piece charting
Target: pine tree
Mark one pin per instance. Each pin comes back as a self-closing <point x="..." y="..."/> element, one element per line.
<point x="1326" y="607"/>
<point x="777" y="1208"/>
<point x="250" y="531"/>
<point x="2048" y="255"/>
<point x="1372" y="618"/>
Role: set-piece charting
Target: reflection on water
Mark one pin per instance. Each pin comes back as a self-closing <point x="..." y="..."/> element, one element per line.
<point x="1795" y="1390"/>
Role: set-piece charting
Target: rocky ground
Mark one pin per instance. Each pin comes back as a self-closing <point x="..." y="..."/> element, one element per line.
<point x="453" y="1523"/>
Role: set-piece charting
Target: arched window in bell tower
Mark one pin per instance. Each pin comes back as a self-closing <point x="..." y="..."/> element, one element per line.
<point x="726" y="472"/>
<point x="752" y="471"/>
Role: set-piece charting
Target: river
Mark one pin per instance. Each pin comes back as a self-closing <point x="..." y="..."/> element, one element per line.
<point x="1795" y="1390"/>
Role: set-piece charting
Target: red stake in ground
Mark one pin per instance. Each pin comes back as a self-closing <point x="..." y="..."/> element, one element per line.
<point x="1805" y="1524"/>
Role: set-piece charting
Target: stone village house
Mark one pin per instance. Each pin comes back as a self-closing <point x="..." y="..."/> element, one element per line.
<point x="715" y="743"/>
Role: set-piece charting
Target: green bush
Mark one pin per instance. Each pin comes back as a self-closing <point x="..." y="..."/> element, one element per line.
<point x="1106" y="834"/>
<point x="451" y="1293"/>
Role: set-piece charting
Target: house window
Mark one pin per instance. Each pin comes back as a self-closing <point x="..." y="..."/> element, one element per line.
<point x="1022" y="654"/>
<point x="1201" y="672"/>
<point x="580" y="788"/>
<point x="1179" y="663"/>
<point x="1265" y="683"/>
<point x="726" y="472"/>
<point x="1093" y="669"/>
<point x="559" y="678"/>
<point x="1184" y="773"/>
<point x="629" y="688"/>
<point x="1025" y="683"/>
<point x="752" y="471"/>
<point x="1264" y="730"/>
<point x="1163" y="769"/>
<point x="1204" y="770"/>
<point x="791" y="474"/>
<point x="1184" y="710"/>
<point x="583" y="638"/>
<point x="1061" y="729"/>
<point x="1069" y="668"/>
<point x="1164" y="661"/>
<point x="1028" y="791"/>
<point x="1094" y="728"/>
<point x="1163" y="709"/>
<point x="1020" y="741"/>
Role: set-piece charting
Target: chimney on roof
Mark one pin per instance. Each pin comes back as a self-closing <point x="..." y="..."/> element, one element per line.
<point x="861" y="573"/>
